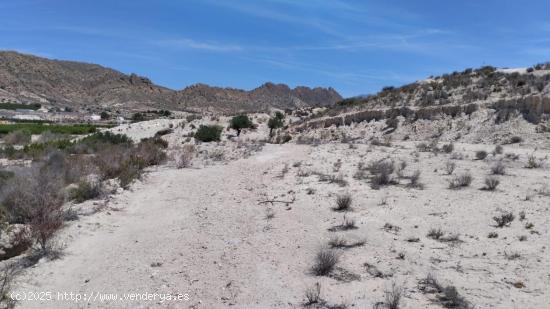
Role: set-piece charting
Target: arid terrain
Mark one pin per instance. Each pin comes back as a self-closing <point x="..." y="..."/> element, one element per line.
<point x="358" y="205"/>
<point x="244" y="231"/>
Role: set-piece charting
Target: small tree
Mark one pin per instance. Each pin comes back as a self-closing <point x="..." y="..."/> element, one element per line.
<point x="275" y="122"/>
<point x="240" y="122"/>
<point x="105" y="115"/>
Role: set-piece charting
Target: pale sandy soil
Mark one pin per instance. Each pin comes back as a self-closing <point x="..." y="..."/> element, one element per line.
<point x="211" y="237"/>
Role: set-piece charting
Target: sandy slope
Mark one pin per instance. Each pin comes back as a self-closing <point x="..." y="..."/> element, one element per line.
<point x="214" y="242"/>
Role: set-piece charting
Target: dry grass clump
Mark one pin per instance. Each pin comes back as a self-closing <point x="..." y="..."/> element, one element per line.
<point x="382" y="173"/>
<point x="447" y="296"/>
<point x="491" y="183"/>
<point x="504" y="219"/>
<point x="498" y="168"/>
<point x="343" y="202"/>
<point x="533" y="162"/>
<point x="185" y="157"/>
<point x="347" y="224"/>
<point x="325" y="261"/>
<point x="450" y="167"/>
<point x="461" y="181"/>
<point x="313" y="294"/>
<point x="415" y="180"/>
<point x="392" y="298"/>
<point x="341" y="242"/>
<point x="337" y="179"/>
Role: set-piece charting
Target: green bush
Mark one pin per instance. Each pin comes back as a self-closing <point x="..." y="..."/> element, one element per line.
<point x="208" y="133"/>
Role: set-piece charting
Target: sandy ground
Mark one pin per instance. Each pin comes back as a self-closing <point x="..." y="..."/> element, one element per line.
<point x="202" y="232"/>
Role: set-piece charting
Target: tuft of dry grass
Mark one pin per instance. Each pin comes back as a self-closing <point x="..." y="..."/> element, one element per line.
<point x="343" y="202"/>
<point x="325" y="261"/>
<point x="491" y="183"/>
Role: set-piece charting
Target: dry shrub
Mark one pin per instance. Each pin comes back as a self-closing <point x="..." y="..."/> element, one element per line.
<point x="504" y="219"/>
<point x="448" y="148"/>
<point x="393" y="296"/>
<point x="85" y="190"/>
<point x="491" y="183"/>
<point x="381" y="171"/>
<point x="18" y="137"/>
<point x="8" y="273"/>
<point x="325" y="261"/>
<point x="533" y="162"/>
<point x="343" y="203"/>
<point x="498" y="168"/>
<point x="313" y="294"/>
<point x="35" y="197"/>
<point x="185" y="157"/>
<point x="461" y="181"/>
<point x="415" y="180"/>
<point x="450" y="167"/>
<point x="481" y="154"/>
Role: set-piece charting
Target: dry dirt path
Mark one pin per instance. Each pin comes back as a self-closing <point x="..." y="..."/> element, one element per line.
<point x="198" y="232"/>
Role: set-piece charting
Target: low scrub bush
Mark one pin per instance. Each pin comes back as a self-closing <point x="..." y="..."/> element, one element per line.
<point x="35" y="197"/>
<point x="491" y="183"/>
<point x="18" y="137"/>
<point x="448" y="148"/>
<point x="481" y="154"/>
<point x="533" y="162"/>
<point x="210" y="133"/>
<point x="461" y="181"/>
<point x="504" y="219"/>
<point x="85" y="191"/>
<point x="498" y="168"/>
<point x="450" y="167"/>
<point x="343" y="203"/>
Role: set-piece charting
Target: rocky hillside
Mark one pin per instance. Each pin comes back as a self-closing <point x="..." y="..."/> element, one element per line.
<point x="485" y="105"/>
<point x="26" y="79"/>
<point x="505" y="91"/>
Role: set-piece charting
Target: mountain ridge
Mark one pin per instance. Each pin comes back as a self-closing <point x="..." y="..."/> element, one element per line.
<point x="61" y="83"/>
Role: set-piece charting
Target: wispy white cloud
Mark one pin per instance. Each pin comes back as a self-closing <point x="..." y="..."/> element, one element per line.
<point x="186" y="43"/>
<point x="351" y="78"/>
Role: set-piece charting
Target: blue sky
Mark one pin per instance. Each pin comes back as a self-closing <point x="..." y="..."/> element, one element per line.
<point x="356" y="47"/>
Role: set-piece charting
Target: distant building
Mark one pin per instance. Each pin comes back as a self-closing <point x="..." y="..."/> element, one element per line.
<point x="27" y="117"/>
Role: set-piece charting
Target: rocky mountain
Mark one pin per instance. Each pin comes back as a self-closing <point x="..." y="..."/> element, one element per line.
<point x="28" y="79"/>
